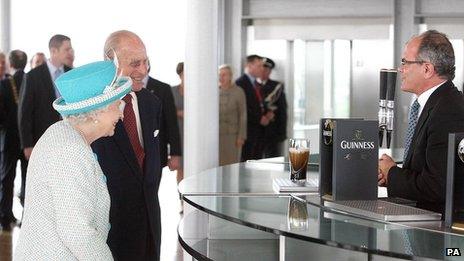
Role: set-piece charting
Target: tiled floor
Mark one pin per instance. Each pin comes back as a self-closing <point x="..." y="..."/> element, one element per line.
<point x="170" y="206"/>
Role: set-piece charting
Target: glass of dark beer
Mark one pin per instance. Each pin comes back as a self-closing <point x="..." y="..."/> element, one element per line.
<point x="298" y="154"/>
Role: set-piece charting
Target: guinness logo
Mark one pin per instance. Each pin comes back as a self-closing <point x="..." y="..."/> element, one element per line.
<point x="461" y="150"/>
<point x="358" y="135"/>
<point x="327" y="132"/>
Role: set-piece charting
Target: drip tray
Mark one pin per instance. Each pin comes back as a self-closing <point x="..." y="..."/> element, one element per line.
<point x="382" y="210"/>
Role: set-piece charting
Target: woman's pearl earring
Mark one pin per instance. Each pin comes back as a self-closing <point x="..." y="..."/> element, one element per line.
<point x="96" y="121"/>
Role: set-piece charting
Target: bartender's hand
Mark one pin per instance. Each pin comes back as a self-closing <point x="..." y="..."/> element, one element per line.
<point x="28" y="152"/>
<point x="385" y="164"/>
<point x="381" y="180"/>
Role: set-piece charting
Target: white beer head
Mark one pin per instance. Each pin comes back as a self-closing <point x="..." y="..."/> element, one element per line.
<point x="298" y="150"/>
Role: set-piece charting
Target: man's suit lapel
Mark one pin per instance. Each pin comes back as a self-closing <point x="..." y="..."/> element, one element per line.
<point x="251" y="88"/>
<point x="433" y="99"/>
<point x="249" y="83"/>
<point x="122" y="140"/>
<point x="48" y="81"/>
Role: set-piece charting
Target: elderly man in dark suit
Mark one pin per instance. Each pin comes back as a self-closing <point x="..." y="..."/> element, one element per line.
<point x="257" y="116"/>
<point x="131" y="158"/>
<point x="9" y="136"/>
<point x="169" y="132"/>
<point x="35" y="112"/>
<point x="427" y="70"/>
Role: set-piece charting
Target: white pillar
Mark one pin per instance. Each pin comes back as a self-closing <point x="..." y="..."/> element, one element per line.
<point x="404" y="29"/>
<point x="234" y="35"/>
<point x="5" y="25"/>
<point x="201" y="120"/>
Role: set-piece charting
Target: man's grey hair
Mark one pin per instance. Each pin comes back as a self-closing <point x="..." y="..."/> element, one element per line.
<point x="114" y="40"/>
<point x="436" y="48"/>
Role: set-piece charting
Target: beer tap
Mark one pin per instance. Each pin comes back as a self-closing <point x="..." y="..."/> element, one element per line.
<point x="382" y="105"/>
<point x="391" y="84"/>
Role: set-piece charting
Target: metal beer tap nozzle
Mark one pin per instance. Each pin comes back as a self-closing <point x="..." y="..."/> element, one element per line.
<point x="386" y="104"/>
<point x="382" y="105"/>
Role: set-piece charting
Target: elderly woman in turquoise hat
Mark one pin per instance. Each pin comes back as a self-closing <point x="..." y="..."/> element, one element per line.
<point x="66" y="214"/>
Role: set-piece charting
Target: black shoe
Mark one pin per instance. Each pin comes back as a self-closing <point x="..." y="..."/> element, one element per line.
<point x="13" y="219"/>
<point x="5" y="226"/>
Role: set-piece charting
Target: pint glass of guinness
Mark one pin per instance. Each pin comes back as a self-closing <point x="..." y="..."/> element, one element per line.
<point x="298" y="154"/>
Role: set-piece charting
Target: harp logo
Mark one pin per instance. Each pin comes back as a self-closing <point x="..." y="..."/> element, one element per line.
<point x="453" y="251"/>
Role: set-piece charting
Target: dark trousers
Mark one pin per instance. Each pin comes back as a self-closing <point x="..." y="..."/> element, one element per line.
<point x="272" y="149"/>
<point x="153" y="249"/>
<point x="142" y="245"/>
<point x="7" y="176"/>
<point x="252" y="149"/>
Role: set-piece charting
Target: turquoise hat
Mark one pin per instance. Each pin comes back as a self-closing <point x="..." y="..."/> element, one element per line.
<point x="90" y="87"/>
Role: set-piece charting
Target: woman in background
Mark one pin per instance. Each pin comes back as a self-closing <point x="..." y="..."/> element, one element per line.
<point x="232" y="118"/>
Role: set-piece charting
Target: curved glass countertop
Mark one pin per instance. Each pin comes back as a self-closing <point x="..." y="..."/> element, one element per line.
<point x="253" y="178"/>
<point x="241" y="179"/>
<point x="193" y="236"/>
<point x="291" y="217"/>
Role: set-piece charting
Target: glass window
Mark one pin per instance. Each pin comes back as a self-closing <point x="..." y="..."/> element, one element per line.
<point x="458" y="45"/>
<point x="322" y="80"/>
<point x="88" y="23"/>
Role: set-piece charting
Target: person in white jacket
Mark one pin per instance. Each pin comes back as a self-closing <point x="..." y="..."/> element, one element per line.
<point x="66" y="213"/>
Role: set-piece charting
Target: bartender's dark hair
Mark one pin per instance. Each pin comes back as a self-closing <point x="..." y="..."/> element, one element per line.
<point x="436" y="48"/>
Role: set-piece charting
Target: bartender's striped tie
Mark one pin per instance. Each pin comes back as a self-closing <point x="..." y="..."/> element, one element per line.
<point x="412" y="122"/>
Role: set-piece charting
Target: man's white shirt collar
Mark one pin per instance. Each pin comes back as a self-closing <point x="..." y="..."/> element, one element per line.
<point x="52" y="68"/>
<point x="423" y="98"/>
<point x="145" y="81"/>
<point x="251" y="78"/>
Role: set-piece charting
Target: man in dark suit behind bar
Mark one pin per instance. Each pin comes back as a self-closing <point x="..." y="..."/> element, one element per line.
<point x="427" y="70"/>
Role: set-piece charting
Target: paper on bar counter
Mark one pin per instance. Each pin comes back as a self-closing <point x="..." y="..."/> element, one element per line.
<point x="382" y="192"/>
<point x="286" y="185"/>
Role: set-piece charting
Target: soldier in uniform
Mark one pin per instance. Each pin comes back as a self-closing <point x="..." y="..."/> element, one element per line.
<point x="274" y="100"/>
